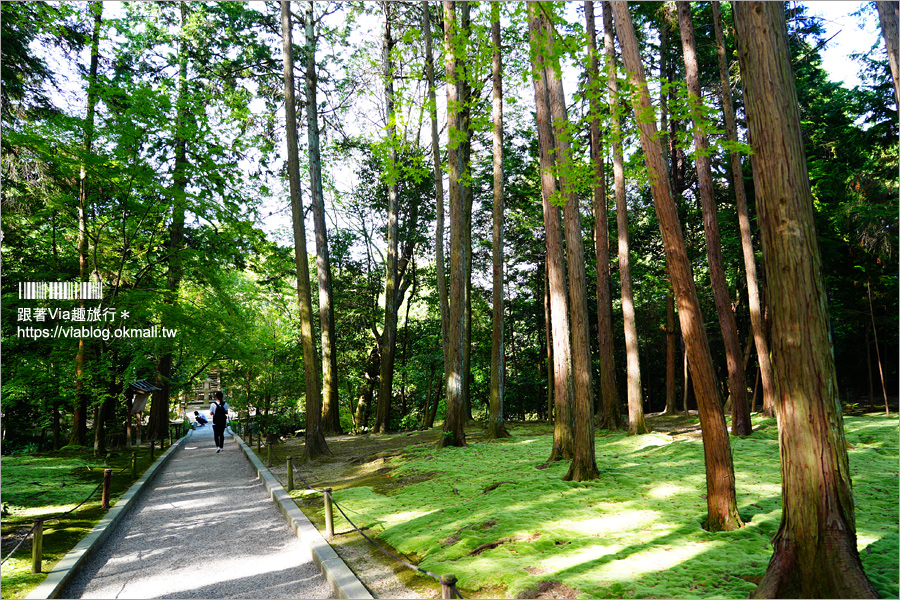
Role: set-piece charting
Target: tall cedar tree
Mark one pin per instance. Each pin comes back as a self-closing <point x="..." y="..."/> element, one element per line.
<point x="815" y="553"/>
<point x="496" y="428"/>
<point x="389" y="333"/>
<point x="454" y="433"/>
<point x="79" y="416"/>
<point x="331" y="420"/>
<point x="889" y="16"/>
<point x="315" y="445"/>
<point x="740" y="196"/>
<point x="636" y="422"/>
<point x="564" y="425"/>
<point x="740" y="410"/>
<point x="721" y="501"/>
<point x="608" y="417"/>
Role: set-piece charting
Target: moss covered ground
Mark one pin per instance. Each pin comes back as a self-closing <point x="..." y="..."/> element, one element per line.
<point x="42" y="485"/>
<point x="501" y="519"/>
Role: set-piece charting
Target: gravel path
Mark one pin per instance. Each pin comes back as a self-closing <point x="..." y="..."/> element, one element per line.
<point x="207" y="529"/>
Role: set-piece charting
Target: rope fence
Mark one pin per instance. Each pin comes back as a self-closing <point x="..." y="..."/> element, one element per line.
<point x="37" y="529"/>
<point x="448" y="582"/>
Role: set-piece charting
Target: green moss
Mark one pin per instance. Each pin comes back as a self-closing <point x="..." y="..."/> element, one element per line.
<point x="633" y="532"/>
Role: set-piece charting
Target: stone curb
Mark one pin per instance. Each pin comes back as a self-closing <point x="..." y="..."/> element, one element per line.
<point x="58" y="578"/>
<point x="342" y="580"/>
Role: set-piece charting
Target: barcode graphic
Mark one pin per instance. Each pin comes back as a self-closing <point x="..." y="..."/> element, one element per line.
<point x="60" y="290"/>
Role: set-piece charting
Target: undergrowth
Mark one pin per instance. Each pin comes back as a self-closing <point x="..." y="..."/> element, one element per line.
<point x="499" y="517"/>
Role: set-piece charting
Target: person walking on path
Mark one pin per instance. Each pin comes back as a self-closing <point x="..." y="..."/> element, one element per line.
<point x="167" y="546"/>
<point x="218" y="410"/>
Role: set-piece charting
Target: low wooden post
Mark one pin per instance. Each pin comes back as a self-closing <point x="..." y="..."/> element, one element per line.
<point x="329" y="515"/>
<point x="448" y="586"/>
<point x="290" y="473"/>
<point x="134" y="464"/>
<point x="37" y="546"/>
<point x="152" y="449"/>
<point x="269" y="459"/>
<point x="107" y="479"/>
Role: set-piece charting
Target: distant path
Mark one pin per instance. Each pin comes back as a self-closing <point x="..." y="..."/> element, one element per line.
<point x="207" y="529"/>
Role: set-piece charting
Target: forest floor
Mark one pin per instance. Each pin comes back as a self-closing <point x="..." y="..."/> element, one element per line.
<point x="500" y="518"/>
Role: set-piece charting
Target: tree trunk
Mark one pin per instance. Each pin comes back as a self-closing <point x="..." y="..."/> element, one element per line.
<point x="721" y="501"/>
<point x="671" y="409"/>
<point x="877" y="350"/>
<point x="889" y="15"/>
<point x="496" y="428"/>
<point x="609" y="406"/>
<point x="564" y="426"/>
<point x="331" y="420"/>
<point x="636" y="422"/>
<point x="464" y="88"/>
<point x="737" y="183"/>
<point x="389" y="333"/>
<point x="548" y="342"/>
<point x="815" y="553"/>
<point x="79" y="414"/>
<point x="454" y="433"/>
<point x="438" y="185"/>
<point x="315" y="445"/>
<point x="737" y="384"/>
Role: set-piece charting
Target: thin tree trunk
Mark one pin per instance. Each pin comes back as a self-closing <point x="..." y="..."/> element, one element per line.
<point x="564" y="426"/>
<point x="737" y="384"/>
<point x="496" y="427"/>
<point x="438" y="185"/>
<point x="454" y="433"/>
<point x="548" y="342"/>
<point x="721" y="500"/>
<point x="331" y="420"/>
<point x="464" y="88"/>
<point x="671" y="409"/>
<point x="815" y="549"/>
<point x="737" y="183"/>
<point x="877" y="350"/>
<point x="79" y="416"/>
<point x="869" y="365"/>
<point x="315" y="445"/>
<point x="389" y="333"/>
<point x="889" y="15"/>
<point x="636" y="423"/>
<point x="609" y="406"/>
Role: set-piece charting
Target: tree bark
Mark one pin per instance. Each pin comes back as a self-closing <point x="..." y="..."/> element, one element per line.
<point x="609" y="406"/>
<point x="671" y="409"/>
<point x="889" y="15"/>
<point x="636" y="422"/>
<point x="454" y="433"/>
<point x="740" y="195"/>
<point x="389" y="333"/>
<point x="79" y="415"/>
<point x="564" y="426"/>
<point x="331" y="420"/>
<point x="464" y="88"/>
<point x="815" y="553"/>
<point x="496" y="428"/>
<point x="887" y="410"/>
<point x="315" y="445"/>
<point x="737" y="384"/>
<point x="721" y="501"/>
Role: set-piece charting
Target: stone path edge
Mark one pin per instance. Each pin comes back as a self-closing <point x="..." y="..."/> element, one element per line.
<point x="343" y="581"/>
<point x="61" y="574"/>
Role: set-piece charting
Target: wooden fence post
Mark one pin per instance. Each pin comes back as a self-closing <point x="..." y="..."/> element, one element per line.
<point x="37" y="544"/>
<point x="134" y="464"/>
<point x="107" y="478"/>
<point x="152" y="449"/>
<point x="269" y="459"/>
<point x="448" y="586"/>
<point x="329" y="515"/>
<point x="290" y="473"/>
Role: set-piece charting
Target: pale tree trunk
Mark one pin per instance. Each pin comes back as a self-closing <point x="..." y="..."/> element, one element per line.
<point x="815" y="553"/>
<point x="548" y="342"/>
<point x="889" y="15"/>
<point x="454" y="433"/>
<point x="636" y="422"/>
<point x="737" y="384"/>
<point x="740" y="195"/>
<point x="79" y="416"/>
<point x="464" y="87"/>
<point x="438" y="183"/>
<point x="721" y="500"/>
<point x="496" y="427"/>
<point x="564" y="426"/>
<point x="331" y="421"/>
<point x="609" y="405"/>
<point x="315" y="445"/>
<point x="389" y="333"/>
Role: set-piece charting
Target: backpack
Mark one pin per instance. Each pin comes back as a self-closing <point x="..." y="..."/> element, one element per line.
<point x="220" y="417"/>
